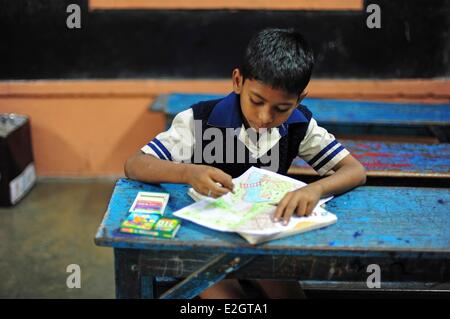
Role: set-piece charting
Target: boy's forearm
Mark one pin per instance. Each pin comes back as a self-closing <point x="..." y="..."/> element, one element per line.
<point x="344" y="179"/>
<point x="147" y="168"/>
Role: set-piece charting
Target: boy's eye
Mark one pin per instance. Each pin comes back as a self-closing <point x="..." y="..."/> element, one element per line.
<point x="256" y="103"/>
<point x="282" y="110"/>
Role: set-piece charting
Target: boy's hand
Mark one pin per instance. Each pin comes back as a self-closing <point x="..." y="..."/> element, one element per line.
<point x="300" y="202"/>
<point x="204" y="179"/>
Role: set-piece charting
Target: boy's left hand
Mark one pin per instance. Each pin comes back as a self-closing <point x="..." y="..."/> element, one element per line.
<point x="300" y="202"/>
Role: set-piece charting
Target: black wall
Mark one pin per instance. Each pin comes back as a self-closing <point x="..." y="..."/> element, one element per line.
<point x="413" y="42"/>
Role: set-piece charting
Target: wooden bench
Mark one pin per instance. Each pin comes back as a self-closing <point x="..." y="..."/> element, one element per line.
<point x="389" y="159"/>
<point x="402" y="230"/>
<point x="353" y="119"/>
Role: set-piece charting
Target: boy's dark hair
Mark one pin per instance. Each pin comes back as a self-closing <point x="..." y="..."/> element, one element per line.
<point x="280" y="58"/>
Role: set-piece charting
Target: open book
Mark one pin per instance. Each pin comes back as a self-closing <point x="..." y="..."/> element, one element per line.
<point x="250" y="209"/>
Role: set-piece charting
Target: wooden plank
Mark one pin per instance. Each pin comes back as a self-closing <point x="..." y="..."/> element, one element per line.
<point x="393" y="159"/>
<point x="401" y="132"/>
<point x="338" y="268"/>
<point x="407" y="90"/>
<point x="371" y="219"/>
<point x="337" y="111"/>
<point x="147" y="284"/>
<point x="402" y="287"/>
<point x="347" y="268"/>
<point x="172" y="264"/>
<point x="348" y="5"/>
<point x="128" y="285"/>
<point x="213" y="271"/>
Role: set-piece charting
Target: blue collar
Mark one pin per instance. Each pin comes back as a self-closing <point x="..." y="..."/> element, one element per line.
<point x="227" y="113"/>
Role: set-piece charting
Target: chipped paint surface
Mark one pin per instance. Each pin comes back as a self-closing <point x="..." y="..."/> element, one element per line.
<point x="396" y="157"/>
<point x="399" y="219"/>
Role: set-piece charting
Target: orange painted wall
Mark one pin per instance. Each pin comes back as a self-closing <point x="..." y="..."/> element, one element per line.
<point x="90" y="127"/>
<point x="227" y="4"/>
<point x="85" y="136"/>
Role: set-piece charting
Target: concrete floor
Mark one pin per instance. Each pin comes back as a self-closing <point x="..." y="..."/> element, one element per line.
<point x="52" y="227"/>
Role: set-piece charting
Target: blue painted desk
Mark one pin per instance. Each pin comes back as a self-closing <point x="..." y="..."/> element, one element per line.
<point x="403" y="230"/>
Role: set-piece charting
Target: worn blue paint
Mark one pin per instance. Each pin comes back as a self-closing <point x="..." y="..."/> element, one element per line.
<point x="357" y="234"/>
<point x="147" y="287"/>
<point x="405" y="158"/>
<point x="380" y="214"/>
<point x="335" y="111"/>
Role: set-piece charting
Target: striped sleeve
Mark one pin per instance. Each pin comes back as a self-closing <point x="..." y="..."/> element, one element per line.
<point x="320" y="149"/>
<point x="177" y="143"/>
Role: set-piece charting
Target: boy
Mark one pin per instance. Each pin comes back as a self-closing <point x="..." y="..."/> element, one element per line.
<point x="261" y="123"/>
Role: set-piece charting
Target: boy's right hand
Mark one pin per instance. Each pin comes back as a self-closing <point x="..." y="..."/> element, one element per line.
<point x="204" y="179"/>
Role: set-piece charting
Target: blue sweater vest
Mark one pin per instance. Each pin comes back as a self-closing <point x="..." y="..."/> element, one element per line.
<point x="288" y="145"/>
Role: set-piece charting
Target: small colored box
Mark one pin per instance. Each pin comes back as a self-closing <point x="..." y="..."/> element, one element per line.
<point x="151" y="225"/>
<point x="150" y="203"/>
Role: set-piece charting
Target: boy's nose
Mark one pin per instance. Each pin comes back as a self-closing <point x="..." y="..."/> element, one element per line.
<point x="265" y="118"/>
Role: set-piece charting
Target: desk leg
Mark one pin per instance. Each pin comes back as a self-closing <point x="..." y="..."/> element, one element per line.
<point x="212" y="272"/>
<point x="128" y="279"/>
<point x="148" y="287"/>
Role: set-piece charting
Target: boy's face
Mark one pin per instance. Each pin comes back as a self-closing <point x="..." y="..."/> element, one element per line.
<point x="263" y="107"/>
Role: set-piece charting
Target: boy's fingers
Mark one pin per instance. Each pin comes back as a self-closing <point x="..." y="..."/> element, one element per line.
<point x="223" y="178"/>
<point x="288" y="212"/>
<point x="212" y="193"/>
<point x="301" y="208"/>
<point x="209" y="188"/>
<point x="309" y="209"/>
<point x="215" y="195"/>
<point x="216" y="189"/>
<point x="281" y="207"/>
<point x="226" y="181"/>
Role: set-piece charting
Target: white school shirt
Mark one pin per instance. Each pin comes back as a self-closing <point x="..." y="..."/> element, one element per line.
<point x="319" y="148"/>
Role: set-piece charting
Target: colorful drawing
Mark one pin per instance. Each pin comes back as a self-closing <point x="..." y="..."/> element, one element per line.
<point x="249" y="209"/>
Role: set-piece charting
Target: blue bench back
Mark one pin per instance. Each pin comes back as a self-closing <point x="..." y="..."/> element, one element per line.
<point x="335" y="111"/>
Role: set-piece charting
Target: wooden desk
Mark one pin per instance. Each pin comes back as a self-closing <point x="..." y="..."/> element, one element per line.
<point x="403" y="230"/>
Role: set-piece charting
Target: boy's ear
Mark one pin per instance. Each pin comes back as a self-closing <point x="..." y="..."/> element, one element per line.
<point x="238" y="81"/>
